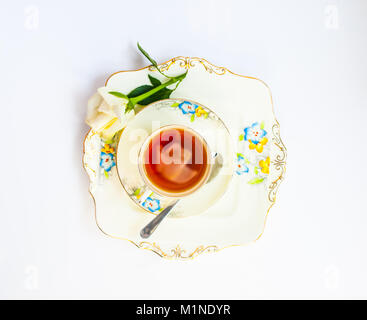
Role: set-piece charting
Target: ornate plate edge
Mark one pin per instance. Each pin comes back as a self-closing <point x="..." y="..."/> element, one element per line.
<point x="278" y="163"/>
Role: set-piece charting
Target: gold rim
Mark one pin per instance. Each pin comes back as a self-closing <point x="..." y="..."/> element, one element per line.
<point x="279" y="164"/>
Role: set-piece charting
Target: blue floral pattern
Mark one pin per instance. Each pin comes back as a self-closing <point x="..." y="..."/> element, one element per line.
<point x="254" y="133"/>
<point x="241" y="165"/>
<point x="254" y="159"/>
<point x="151" y="204"/>
<point x="188" y="107"/>
<point x="107" y="161"/>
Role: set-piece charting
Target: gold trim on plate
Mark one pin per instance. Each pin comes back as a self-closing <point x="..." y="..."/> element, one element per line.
<point x="278" y="163"/>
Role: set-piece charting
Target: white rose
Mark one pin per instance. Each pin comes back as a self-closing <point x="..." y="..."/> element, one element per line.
<point x="106" y="113"/>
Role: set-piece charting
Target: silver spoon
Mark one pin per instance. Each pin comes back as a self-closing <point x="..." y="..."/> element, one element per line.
<point x="152" y="225"/>
<point x="147" y="231"/>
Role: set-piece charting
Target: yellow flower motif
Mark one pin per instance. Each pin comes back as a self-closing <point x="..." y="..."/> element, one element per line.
<point x="260" y="146"/>
<point x="108" y="149"/>
<point x="264" y="165"/>
<point x="199" y="111"/>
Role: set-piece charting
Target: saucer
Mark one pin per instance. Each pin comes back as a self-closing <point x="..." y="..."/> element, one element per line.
<point x="244" y="105"/>
<point x="194" y="116"/>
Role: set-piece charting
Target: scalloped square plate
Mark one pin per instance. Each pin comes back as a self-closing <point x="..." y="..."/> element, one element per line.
<point x="238" y="217"/>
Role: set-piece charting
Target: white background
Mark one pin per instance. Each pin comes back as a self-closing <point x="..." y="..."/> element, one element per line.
<point x="55" y="54"/>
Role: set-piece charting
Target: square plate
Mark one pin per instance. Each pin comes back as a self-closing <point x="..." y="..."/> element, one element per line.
<point x="237" y="218"/>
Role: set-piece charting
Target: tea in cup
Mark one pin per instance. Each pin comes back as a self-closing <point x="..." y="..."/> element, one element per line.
<point x="174" y="161"/>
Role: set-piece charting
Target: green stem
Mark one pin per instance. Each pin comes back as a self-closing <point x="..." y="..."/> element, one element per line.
<point x="145" y="95"/>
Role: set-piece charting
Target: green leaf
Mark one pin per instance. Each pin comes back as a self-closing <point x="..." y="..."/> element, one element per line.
<point x="175" y="105"/>
<point x="152" y="61"/>
<point x="241" y="137"/>
<point x="154" y="81"/>
<point x="262" y="125"/>
<point x="240" y="155"/>
<point x="192" y="117"/>
<point x="256" y="180"/>
<point x="140" y="90"/>
<point x="182" y="76"/>
<point x="105" y="173"/>
<point x="256" y="169"/>
<point x="160" y="95"/>
<point x="136" y="192"/>
<point x="206" y="115"/>
<point x="118" y="94"/>
<point x="129" y="107"/>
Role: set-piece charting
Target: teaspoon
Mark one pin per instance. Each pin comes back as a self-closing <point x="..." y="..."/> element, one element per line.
<point x="152" y="225"/>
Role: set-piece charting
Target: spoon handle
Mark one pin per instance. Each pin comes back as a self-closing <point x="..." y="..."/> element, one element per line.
<point x="152" y="225"/>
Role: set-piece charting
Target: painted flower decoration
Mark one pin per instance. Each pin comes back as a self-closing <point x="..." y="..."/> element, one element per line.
<point x="254" y="133"/>
<point x="107" y="161"/>
<point x="259" y="146"/>
<point x="152" y="205"/>
<point x="256" y="136"/>
<point x="108" y="149"/>
<point x="241" y="165"/>
<point x="264" y="165"/>
<point x="200" y="111"/>
<point x="187" y="107"/>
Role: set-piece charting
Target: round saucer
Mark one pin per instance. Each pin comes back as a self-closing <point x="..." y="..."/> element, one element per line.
<point x="175" y="112"/>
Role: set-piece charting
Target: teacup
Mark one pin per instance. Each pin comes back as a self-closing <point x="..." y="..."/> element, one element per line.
<point x="197" y="120"/>
<point x="175" y="161"/>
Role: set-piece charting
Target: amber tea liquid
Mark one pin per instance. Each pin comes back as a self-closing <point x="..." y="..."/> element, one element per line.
<point x="175" y="160"/>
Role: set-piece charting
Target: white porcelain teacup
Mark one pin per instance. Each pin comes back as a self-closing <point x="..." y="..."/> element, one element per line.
<point x="197" y="120"/>
<point x="175" y="161"/>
